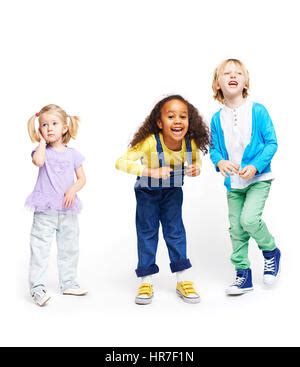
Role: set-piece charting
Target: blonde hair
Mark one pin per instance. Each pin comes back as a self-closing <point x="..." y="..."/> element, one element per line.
<point x="218" y="94"/>
<point x="52" y="108"/>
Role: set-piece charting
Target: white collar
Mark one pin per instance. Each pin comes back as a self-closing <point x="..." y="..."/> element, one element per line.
<point x="245" y="104"/>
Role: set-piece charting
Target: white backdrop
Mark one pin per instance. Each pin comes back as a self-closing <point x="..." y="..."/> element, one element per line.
<point x="109" y="62"/>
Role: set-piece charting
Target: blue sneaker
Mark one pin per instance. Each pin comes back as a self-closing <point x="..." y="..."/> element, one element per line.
<point x="271" y="269"/>
<point x="242" y="284"/>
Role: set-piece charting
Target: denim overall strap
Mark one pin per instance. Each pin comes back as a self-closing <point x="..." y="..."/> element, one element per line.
<point x="177" y="176"/>
<point x="149" y="182"/>
<point x="160" y="154"/>
<point x="188" y="150"/>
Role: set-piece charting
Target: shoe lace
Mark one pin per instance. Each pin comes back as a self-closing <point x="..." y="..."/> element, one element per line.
<point x="238" y="281"/>
<point x="270" y="264"/>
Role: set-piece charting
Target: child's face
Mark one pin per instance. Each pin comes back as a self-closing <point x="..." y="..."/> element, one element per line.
<point x="52" y="127"/>
<point x="231" y="80"/>
<point x="174" y="120"/>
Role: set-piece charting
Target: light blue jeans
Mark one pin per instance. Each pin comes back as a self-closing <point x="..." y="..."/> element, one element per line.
<point x="43" y="228"/>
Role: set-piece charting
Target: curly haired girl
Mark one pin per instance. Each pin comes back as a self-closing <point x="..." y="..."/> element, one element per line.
<point x="163" y="150"/>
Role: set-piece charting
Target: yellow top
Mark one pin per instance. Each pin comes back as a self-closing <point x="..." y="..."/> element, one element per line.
<point x="145" y="154"/>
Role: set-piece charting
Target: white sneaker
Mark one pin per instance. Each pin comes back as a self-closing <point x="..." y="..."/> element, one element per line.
<point x="40" y="297"/>
<point x="269" y="279"/>
<point x="75" y="291"/>
<point x="235" y="290"/>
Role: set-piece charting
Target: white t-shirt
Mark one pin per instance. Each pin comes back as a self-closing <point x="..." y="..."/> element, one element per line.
<point x="236" y="124"/>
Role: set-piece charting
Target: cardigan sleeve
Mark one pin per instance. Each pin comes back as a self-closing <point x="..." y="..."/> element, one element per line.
<point x="215" y="149"/>
<point x="262" y="160"/>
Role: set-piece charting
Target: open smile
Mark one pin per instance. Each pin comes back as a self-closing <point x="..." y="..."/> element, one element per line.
<point x="233" y="83"/>
<point x="177" y="130"/>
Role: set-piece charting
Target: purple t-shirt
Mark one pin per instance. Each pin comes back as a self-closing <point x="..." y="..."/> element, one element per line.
<point x="55" y="177"/>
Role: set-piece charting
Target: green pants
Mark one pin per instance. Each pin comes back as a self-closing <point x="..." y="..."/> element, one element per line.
<point x="245" y="207"/>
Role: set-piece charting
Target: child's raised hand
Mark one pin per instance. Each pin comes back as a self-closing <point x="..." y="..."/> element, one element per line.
<point x="248" y="172"/>
<point x="42" y="140"/>
<point x="227" y="168"/>
<point x="162" y="172"/>
<point x="192" y="170"/>
<point x="69" y="198"/>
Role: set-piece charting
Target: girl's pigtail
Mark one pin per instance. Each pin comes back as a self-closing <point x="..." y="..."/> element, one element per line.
<point x="34" y="135"/>
<point x="72" y="130"/>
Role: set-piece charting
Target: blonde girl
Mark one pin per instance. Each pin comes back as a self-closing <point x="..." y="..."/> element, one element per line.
<point x="54" y="200"/>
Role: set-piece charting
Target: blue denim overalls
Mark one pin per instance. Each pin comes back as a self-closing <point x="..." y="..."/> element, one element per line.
<point x="160" y="200"/>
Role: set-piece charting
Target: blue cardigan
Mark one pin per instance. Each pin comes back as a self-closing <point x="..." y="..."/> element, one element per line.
<point x="259" y="152"/>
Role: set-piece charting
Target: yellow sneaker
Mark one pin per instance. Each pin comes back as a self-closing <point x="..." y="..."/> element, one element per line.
<point x="145" y="294"/>
<point x="187" y="292"/>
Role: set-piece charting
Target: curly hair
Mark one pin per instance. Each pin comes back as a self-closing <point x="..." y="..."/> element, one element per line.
<point x="197" y="129"/>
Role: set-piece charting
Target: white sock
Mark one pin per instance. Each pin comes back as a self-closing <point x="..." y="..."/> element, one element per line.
<point x="184" y="275"/>
<point x="147" y="279"/>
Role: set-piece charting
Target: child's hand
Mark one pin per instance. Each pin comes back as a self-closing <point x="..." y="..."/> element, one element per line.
<point x="227" y="168"/>
<point x="248" y="172"/>
<point x="192" y="170"/>
<point x="42" y="140"/>
<point x="162" y="172"/>
<point x="69" y="198"/>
